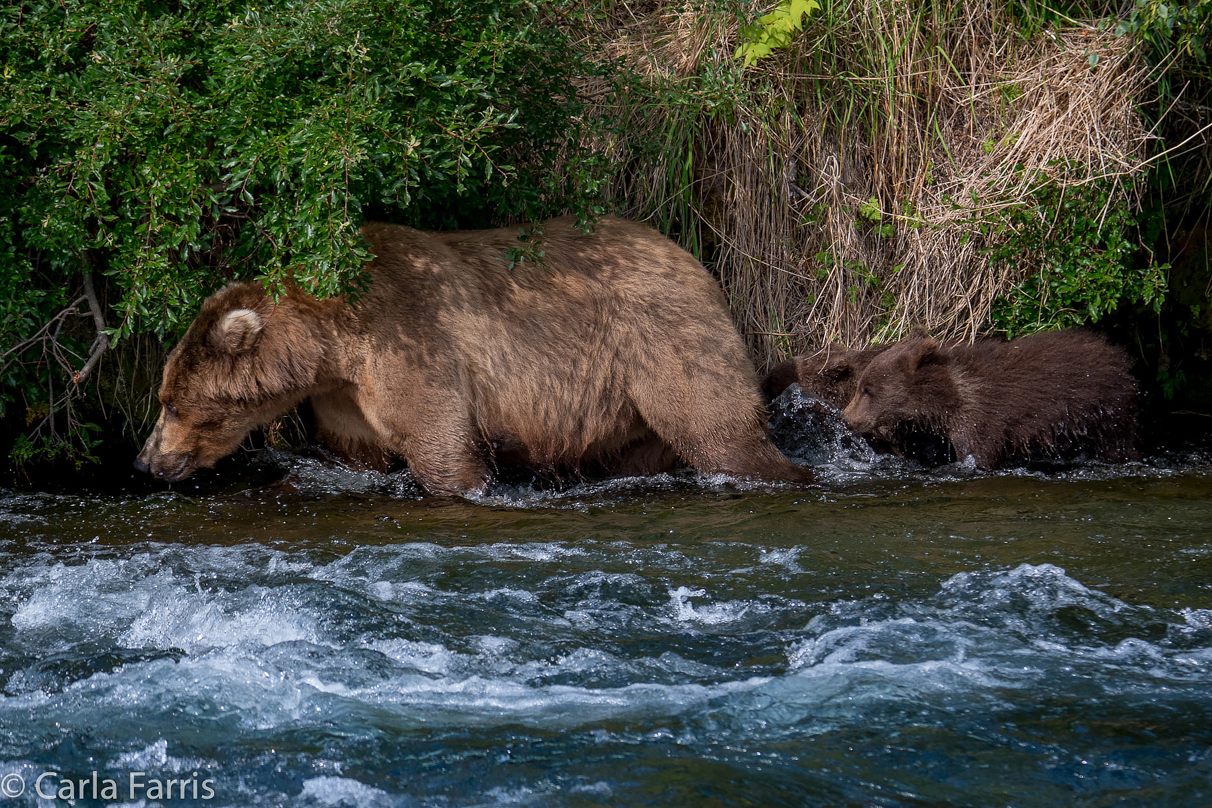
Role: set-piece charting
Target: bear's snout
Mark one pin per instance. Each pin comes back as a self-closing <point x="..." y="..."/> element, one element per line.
<point x="856" y="418"/>
<point x="168" y="466"/>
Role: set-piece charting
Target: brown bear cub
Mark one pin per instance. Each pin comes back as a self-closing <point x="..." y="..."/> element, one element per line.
<point x="830" y="376"/>
<point x="616" y="351"/>
<point x="1043" y="396"/>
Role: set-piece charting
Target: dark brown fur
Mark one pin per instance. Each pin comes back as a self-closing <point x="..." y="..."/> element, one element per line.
<point x="1046" y="395"/>
<point x="617" y="350"/>
<point x="830" y="376"/>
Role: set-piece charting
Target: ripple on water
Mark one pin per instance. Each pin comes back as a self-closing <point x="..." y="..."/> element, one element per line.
<point x="277" y="653"/>
<point x="607" y="667"/>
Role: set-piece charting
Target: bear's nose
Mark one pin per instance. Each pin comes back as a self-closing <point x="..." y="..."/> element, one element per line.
<point x="142" y="465"/>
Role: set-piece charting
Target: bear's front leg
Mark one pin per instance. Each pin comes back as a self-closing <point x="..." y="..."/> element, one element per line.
<point x="437" y="440"/>
<point x="446" y="463"/>
<point x="419" y="412"/>
<point x="971" y="442"/>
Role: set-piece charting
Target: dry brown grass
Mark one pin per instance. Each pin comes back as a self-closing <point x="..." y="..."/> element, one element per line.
<point x="939" y="123"/>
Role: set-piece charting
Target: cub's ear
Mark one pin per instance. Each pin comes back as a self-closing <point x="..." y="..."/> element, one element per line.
<point x="236" y="331"/>
<point x="925" y="352"/>
<point x="837" y="369"/>
<point x="919" y="332"/>
<point x="782" y="376"/>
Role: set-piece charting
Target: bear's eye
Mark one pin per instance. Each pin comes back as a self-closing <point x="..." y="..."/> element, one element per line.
<point x="172" y="409"/>
<point x="868" y="393"/>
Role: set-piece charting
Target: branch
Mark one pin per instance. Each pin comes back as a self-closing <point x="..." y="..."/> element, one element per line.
<point x="41" y="335"/>
<point x="101" y="343"/>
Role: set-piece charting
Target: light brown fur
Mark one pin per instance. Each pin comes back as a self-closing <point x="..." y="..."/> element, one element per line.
<point x="616" y="350"/>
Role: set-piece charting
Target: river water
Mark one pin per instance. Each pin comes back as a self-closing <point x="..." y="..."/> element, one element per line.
<point x="897" y="637"/>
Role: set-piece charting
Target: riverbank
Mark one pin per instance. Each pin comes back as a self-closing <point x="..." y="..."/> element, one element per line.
<point x="994" y="167"/>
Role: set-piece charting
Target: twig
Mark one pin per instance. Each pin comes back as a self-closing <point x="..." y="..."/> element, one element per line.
<point x="41" y="335"/>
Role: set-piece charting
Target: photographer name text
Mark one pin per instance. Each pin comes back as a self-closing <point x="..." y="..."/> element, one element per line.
<point x="128" y="786"/>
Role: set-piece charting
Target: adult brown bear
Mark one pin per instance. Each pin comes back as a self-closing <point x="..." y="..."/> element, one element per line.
<point x="616" y="349"/>
<point x="1042" y="396"/>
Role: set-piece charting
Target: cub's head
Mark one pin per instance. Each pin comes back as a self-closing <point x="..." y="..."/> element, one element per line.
<point x="244" y="361"/>
<point x="898" y="387"/>
<point x="831" y="380"/>
<point x="838" y="376"/>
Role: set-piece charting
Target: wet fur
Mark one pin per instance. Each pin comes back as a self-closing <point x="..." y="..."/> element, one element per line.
<point x="1043" y="396"/>
<point x="830" y="376"/>
<point x="616" y="351"/>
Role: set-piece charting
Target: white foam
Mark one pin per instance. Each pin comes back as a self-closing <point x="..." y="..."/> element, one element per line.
<point x="714" y="614"/>
<point x="1043" y="589"/>
<point x="543" y="552"/>
<point x="401" y="591"/>
<point x="155" y="757"/>
<point x="679" y="600"/>
<point x="1200" y="619"/>
<point x="28" y="774"/>
<point x="495" y="701"/>
<point x="313" y="476"/>
<point x="506" y="593"/>
<point x="495" y="646"/>
<point x="599" y="789"/>
<point x="193" y="622"/>
<point x="423" y="656"/>
<point x="95" y="597"/>
<point x="345" y="792"/>
<point x="986" y="632"/>
<point x="141" y="603"/>
<point x="583" y="497"/>
<point x="788" y="559"/>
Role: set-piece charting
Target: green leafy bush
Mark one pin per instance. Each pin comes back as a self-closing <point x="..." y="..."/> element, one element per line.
<point x="1177" y="33"/>
<point x="165" y="148"/>
<point x="1079" y="238"/>
<point x="774" y="30"/>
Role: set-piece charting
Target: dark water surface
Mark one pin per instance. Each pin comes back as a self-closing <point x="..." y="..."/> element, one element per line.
<point x="898" y="637"/>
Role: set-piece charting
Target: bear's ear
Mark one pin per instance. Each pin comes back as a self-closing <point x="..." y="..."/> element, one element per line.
<point x="837" y="369"/>
<point x="919" y="332"/>
<point x="236" y="331"/>
<point x="925" y="352"/>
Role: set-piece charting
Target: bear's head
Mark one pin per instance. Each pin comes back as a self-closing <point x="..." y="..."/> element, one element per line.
<point x="908" y="384"/>
<point x="837" y="378"/>
<point x="829" y="378"/>
<point x="829" y="382"/>
<point x="244" y="361"/>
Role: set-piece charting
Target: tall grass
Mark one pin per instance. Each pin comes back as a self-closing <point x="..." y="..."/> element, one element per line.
<point x="854" y="187"/>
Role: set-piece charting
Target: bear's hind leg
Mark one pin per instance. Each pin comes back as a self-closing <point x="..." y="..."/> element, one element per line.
<point x="714" y="420"/>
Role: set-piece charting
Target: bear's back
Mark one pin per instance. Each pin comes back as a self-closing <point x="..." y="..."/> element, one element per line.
<point x="1056" y="391"/>
<point x="552" y="345"/>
